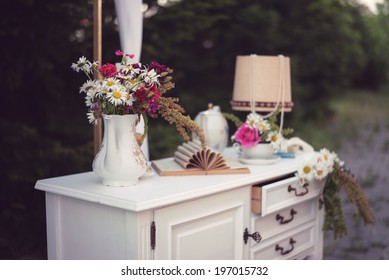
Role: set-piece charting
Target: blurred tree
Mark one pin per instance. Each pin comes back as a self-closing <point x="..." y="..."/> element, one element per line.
<point x="43" y="125"/>
<point x="200" y="40"/>
<point x="374" y="31"/>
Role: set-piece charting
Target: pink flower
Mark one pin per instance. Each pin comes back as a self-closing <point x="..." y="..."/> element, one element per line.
<point x="120" y="53"/>
<point x="160" y="69"/>
<point x="247" y="135"/>
<point x="108" y="70"/>
<point x="153" y="101"/>
<point x="140" y="95"/>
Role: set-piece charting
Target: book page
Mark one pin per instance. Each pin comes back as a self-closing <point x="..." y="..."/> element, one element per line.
<point x="171" y="167"/>
<point x="185" y="151"/>
<point x="217" y="162"/>
<point x="192" y="155"/>
<point x="182" y="156"/>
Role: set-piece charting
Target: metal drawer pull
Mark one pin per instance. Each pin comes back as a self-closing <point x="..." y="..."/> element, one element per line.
<point x="256" y="236"/>
<point x="305" y="186"/>
<point x="281" y="218"/>
<point x="279" y="248"/>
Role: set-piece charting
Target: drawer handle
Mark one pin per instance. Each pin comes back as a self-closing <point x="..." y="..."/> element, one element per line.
<point x="279" y="248"/>
<point x="256" y="236"/>
<point x="305" y="186"/>
<point x="281" y="218"/>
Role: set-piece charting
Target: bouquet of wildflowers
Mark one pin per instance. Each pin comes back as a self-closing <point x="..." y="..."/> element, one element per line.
<point x="259" y="130"/>
<point x="326" y="165"/>
<point x="132" y="88"/>
<point x="319" y="166"/>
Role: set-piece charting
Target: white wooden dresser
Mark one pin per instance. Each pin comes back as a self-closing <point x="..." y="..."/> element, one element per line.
<point x="186" y="217"/>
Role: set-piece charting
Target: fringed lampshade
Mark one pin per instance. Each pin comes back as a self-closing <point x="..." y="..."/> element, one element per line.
<point x="262" y="83"/>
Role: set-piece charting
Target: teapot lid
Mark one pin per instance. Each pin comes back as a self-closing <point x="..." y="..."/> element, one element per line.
<point x="213" y="108"/>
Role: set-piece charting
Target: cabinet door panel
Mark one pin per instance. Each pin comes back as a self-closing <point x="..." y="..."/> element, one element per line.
<point x="208" y="228"/>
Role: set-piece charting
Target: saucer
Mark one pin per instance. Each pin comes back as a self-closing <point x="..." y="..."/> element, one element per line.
<point x="260" y="161"/>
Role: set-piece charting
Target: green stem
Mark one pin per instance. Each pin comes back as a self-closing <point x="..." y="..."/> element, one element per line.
<point x="234" y="119"/>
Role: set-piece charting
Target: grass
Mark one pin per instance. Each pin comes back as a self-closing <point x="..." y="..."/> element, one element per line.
<point x="358" y="129"/>
<point x="361" y="105"/>
<point x="353" y="112"/>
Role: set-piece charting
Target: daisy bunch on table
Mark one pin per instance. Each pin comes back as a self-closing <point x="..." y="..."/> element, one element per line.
<point x="326" y="165"/>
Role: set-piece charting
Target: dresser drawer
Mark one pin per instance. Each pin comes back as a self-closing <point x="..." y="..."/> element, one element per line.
<point x="284" y="219"/>
<point x="288" y="245"/>
<point x="269" y="198"/>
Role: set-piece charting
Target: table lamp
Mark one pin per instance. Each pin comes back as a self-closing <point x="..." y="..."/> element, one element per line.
<point x="262" y="83"/>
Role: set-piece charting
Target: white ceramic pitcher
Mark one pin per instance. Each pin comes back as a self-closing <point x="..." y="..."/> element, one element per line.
<point x="120" y="161"/>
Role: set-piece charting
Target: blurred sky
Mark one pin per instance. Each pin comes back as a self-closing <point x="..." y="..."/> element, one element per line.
<point x="371" y="4"/>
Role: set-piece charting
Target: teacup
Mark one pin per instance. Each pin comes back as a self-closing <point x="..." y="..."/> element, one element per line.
<point x="259" y="151"/>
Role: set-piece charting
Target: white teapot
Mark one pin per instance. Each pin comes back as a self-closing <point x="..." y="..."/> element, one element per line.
<point x="215" y="128"/>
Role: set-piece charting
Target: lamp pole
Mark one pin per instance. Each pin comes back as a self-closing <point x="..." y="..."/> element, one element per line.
<point x="97" y="50"/>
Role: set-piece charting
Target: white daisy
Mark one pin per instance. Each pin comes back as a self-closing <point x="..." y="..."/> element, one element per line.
<point x="275" y="140"/>
<point x="283" y="146"/>
<point x="263" y="125"/>
<point x="101" y="91"/>
<point x="123" y="77"/>
<point x="150" y="76"/>
<point x="90" y="99"/>
<point x="117" y="95"/>
<point x="128" y="69"/>
<point x="306" y="170"/>
<point x="82" y="64"/>
<point x="92" y="117"/>
<point x="87" y="86"/>
<point x="327" y="158"/>
<point x="133" y="85"/>
<point x="252" y="119"/>
<point x="110" y="82"/>
<point x="94" y="91"/>
<point x="320" y="171"/>
<point x="129" y="99"/>
<point x="94" y="65"/>
<point x="274" y="137"/>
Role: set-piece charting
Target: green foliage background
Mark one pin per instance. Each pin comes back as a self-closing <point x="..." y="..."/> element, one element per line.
<point x="334" y="45"/>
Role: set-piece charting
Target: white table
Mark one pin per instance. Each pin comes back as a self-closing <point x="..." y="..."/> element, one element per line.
<point x="185" y="217"/>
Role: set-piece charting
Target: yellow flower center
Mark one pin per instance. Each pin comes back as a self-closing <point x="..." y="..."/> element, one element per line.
<point x="320" y="172"/>
<point x="132" y="82"/>
<point x="274" y="138"/>
<point x="110" y="83"/>
<point x="251" y="122"/>
<point x="326" y="157"/>
<point x="116" y="94"/>
<point x="307" y="169"/>
<point x="128" y="96"/>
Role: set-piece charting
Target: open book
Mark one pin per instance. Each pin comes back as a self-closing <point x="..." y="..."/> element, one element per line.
<point x="191" y="159"/>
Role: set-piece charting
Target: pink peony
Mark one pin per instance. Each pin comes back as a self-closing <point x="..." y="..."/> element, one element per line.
<point x="247" y="135"/>
<point x="108" y="70"/>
